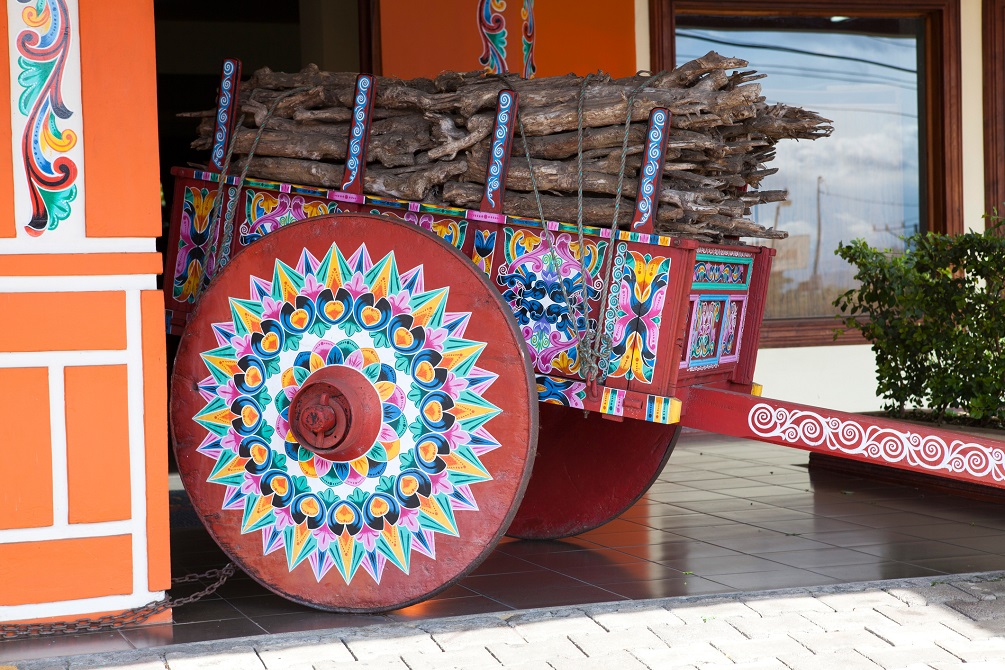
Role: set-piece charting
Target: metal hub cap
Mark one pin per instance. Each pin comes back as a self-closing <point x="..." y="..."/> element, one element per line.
<point x="336" y="414"/>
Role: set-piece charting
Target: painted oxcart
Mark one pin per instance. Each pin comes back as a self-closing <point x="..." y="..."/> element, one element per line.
<point x="371" y="392"/>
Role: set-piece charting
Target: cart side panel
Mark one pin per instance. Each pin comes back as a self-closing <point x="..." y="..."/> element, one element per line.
<point x="720" y="304"/>
<point x="743" y="374"/>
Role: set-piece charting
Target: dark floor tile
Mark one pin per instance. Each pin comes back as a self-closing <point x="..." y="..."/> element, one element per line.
<point x="758" y="545"/>
<point x="784" y="478"/>
<point x="635" y="539"/>
<point x="557" y="597"/>
<point x="914" y="551"/>
<point x="499" y="563"/>
<point x="710" y="566"/>
<point x="494" y="585"/>
<point x="727" y="504"/>
<point x="452" y="607"/>
<point x="315" y="620"/>
<point x="271" y="604"/>
<point x="955" y="531"/>
<point x="816" y="524"/>
<point x="725" y="485"/>
<point x="583" y="559"/>
<point x="672" y="523"/>
<point x="836" y="510"/>
<point x="626" y="572"/>
<point x="961" y="564"/>
<point x="162" y="634"/>
<point x="868" y="572"/>
<point x="241" y="587"/>
<point x="770" y="513"/>
<point x="814" y="558"/>
<point x="778" y="579"/>
<point x="994" y="544"/>
<point x="206" y="610"/>
<point x="62" y="645"/>
<point x="695" y="495"/>
<point x="615" y="526"/>
<point x="688" y="585"/>
<point x="661" y="553"/>
<point x="526" y="548"/>
<point x="758" y="491"/>
<point x="898" y="520"/>
<point x="858" y="538"/>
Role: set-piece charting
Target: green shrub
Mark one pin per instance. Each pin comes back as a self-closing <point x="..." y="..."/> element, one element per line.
<point x="935" y="315"/>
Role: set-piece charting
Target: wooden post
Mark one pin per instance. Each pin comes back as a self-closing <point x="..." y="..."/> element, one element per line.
<point x="647" y="199"/>
<point x="226" y="111"/>
<point x="359" y="138"/>
<point x="502" y="143"/>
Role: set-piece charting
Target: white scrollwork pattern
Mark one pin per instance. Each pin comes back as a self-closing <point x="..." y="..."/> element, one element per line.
<point x="878" y="443"/>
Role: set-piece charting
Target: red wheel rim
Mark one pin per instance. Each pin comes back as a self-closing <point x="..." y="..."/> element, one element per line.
<point x="432" y="494"/>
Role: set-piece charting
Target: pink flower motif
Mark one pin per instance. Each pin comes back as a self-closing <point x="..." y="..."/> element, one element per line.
<point x="284" y="517"/>
<point x="399" y="303"/>
<point x="322" y="466"/>
<point x="272" y="308"/>
<point x="324" y="536"/>
<point x="456" y="436"/>
<point x="355" y="360"/>
<point x="231" y="440"/>
<point x="409" y="518"/>
<point x="322" y="348"/>
<point x="290" y="391"/>
<point x="311" y="287"/>
<point x="251" y="484"/>
<point x="228" y="391"/>
<point x="354" y="478"/>
<point x="435" y="337"/>
<point x="242" y="345"/>
<point x="282" y="427"/>
<point x="386" y="434"/>
<point x="441" y="484"/>
<point x="453" y="385"/>
<point x="356" y="286"/>
<point x="368" y="536"/>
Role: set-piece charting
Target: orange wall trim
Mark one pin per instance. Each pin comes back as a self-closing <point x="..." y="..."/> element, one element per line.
<point x="54" y="570"/>
<point x="63" y="321"/>
<point x="25" y="450"/>
<point x="62" y="265"/>
<point x="8" y="226"/>
<point x="97" y="443"/>
<point x="155" y="428"/>
<point x="119" y="97"/>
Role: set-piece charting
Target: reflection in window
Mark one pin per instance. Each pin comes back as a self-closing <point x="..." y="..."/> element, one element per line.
<point x="866" y="179"/>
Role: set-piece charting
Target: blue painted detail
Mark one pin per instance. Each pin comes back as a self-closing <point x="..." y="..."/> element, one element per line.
<point x="646" y="204"/>
<point x="354" y="160"/>
<point x="228" y="88"/>
<point x="500" y="146"/>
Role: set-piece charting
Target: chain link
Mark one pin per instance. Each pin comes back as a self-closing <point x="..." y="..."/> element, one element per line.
<point x="129" y="617"/>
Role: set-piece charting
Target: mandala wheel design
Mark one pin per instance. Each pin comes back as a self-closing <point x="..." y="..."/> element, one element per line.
<point x="353" y="412"/>
<point x="588" y="471"/>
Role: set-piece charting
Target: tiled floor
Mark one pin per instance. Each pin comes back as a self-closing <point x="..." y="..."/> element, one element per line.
<point x="726" y="515"/>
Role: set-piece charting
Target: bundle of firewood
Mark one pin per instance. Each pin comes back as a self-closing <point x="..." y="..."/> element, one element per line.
<point x="430" y="141"/>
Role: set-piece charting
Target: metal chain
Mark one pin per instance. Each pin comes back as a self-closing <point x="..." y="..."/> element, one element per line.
<point x="129" y="617"/>
<point x="599" y="343"/>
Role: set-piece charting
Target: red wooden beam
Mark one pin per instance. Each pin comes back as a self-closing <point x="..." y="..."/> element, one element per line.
<point x="898" y="444"/>
<point x="502" y="143"/>
<point x="226" y="111"/>
<point x="359" y="136"/>
<point x="647" y="200"/>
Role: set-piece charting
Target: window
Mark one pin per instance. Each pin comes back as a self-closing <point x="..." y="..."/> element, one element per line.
<point x="890" y="168"/>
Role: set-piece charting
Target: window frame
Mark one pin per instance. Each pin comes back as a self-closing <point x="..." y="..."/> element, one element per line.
<point x="943" y="102"/>
<point x="993" y="38"/>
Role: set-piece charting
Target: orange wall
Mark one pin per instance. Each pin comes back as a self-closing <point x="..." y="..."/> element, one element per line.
<point x="578" y="36"/>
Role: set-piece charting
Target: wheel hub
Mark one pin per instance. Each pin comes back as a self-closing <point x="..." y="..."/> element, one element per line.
<point x="336" y="414"/>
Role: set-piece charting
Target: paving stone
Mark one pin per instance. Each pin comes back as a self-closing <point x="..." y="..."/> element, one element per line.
<point x="307" y="652"/>
<point x="621" y="616"/>
<point x="546" y="625"/>
<point x="930" y="614"/>
<point x="137" y="660"/>
<point x="984" y="665"/>
<point x="762" y="648"/>
<point x="981" y="610"/>
<point x="621" y="660"/>
<point x="715" y="630"/>
<point x="384" y="663"/>
<point x="989" y="589"/>
<point x="376" y="641"/>
<point x="767" y="664"/>
<point x="710" y="609"/>
<point x="977" y="630"/>
<point x="936" y="592"/>
<point x="856" y="620"/>
<point x="559" y="647"/>
<point x="899" y="657"/>
<point x="757" y="627"/>
<point x="844" y="659"/>
<point x="602" y="643"/>
<point x="915" y="634"/>
<point x="824" y="643"/>
<point x="453" y="635"/>
<point x="460" y="659"/>
<point x="682" y="656"/>
<point x="777" y="605"/>
<point x="977" y="651"/>
<point x="849" y="602"/>
<point x="239" y="657"/>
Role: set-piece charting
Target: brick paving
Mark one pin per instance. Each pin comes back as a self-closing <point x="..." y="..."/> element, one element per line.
<point x="931" y="623"/>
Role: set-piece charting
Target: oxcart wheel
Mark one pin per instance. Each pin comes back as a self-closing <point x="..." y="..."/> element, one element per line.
<point x="588" y="471"/>
<point x="355" y="421"/>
